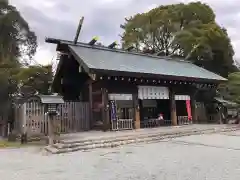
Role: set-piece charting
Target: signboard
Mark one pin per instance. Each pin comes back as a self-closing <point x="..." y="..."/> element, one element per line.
<point x="113" y="110"/>
<point x="120" y="97"/>
<point x="182" y="97"/>
<point x="153" y="92"/>
<point x="157" y="92"/>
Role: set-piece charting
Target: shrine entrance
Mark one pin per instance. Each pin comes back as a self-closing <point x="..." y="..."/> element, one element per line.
<point x="121" y="111"/>
<point x="154" y="102"/>
<point x="183" y="108"/>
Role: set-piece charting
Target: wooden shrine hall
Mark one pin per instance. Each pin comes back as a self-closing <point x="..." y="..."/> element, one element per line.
<point x="126" y="89"/>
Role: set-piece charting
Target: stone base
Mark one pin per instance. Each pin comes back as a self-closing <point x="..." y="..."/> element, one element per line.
<point x="83" y="145"/>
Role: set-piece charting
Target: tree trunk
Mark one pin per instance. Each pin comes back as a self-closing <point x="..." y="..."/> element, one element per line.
<point x="5" y="126"/>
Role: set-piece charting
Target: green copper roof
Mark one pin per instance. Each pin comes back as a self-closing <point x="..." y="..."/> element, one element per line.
<point x="117" y="60"/>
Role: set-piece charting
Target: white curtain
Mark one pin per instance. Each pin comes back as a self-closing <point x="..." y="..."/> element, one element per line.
<point x="155" y="92"/>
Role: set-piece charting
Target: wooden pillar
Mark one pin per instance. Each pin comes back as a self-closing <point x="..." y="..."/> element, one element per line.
<point x="106" y="118"/>
<point x="137" y="122"/>
<point x="173" y="107"/>
<point x="23" y="121"/>
<point x="90" y="98"/>
<point x="193" y="107"/>
<point x="23" y="118"/>
<point x="50" y="130"/>
<point x="56" y="130"/>
<point x="53" y="134"/>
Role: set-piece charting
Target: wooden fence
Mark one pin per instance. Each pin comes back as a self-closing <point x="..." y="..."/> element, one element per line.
<point x="201" y="113"/>
<point x="73" y="117"/>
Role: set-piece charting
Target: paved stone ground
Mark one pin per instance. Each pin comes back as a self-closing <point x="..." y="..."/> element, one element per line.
<point x="198" y="157"/>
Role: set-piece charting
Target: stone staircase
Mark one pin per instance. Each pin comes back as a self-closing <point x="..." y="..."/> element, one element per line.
<point x="110" y="142"/>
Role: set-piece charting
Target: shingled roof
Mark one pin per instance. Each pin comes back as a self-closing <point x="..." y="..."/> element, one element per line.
<point x="103" y="58"/>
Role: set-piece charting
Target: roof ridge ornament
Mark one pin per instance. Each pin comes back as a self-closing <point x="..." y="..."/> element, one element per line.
<point x="112" y="45"/>
<point x="129" y="48"/>
<point x="78" y="30"/>
<point x="94" y="40"/>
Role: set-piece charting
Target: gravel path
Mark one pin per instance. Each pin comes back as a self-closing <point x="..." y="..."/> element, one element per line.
<point x="211" y="157"/>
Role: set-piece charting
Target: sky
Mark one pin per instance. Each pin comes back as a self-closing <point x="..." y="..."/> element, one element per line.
<point x="59" y="19"/>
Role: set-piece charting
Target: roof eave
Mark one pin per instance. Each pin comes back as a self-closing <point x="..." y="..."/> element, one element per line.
<point x="157" y="76"/>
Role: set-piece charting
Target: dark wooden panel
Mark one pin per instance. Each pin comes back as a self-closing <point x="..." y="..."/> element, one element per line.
<point x="121" y="87"/>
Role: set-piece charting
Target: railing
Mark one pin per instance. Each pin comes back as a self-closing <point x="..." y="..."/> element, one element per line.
<point x="183" y="120"/>
<point x="122" y="124"/>
<point x="152" y="123"/>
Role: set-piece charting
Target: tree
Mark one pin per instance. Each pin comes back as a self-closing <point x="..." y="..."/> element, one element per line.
<point x="23" y="82"/>
<point x="16" y="38"/>
<point x="182" y="30"/>
<point x="231" y="89"/>
<point x="17" y="42"/>
<point x="35" y="79"/>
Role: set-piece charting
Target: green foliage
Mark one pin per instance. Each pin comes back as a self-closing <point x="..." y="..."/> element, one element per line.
<point x="231" y="89"/>
<point x="38" y="78"/>
<point x="16" y="38"/>
<point x="8" y="82"/>
<point x="35" y="77"/>
<point x="18" y="42"/>
<point x="182" y="30"/>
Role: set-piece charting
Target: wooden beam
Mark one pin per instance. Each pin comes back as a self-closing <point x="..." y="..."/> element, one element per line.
<point x="97" y="92"/>
<point x="102" y="72"/>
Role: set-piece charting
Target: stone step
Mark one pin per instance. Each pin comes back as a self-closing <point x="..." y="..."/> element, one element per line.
<point x="69" y="144"/>
<point x="134" y="135"/>
<point x="73" y="143"/>
<point x="83" y="145"/>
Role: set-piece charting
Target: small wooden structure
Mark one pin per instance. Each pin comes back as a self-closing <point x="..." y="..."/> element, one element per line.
<point x="226" y="110"/>
<point x="30" y="117"/>
<point x="128" y="90"/>
<point x="51" y="103"/>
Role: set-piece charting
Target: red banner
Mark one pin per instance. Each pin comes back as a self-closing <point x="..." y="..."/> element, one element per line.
<point x="189" y="112"/>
